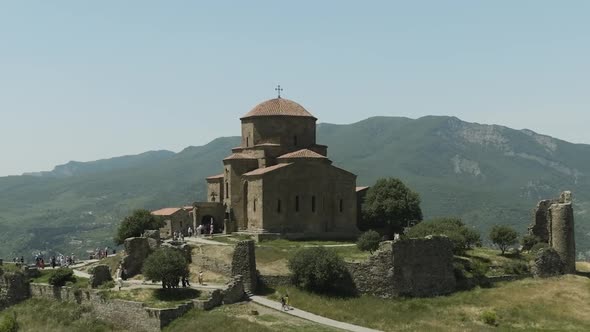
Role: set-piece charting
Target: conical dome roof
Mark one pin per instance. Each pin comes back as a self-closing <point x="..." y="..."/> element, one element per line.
<point x="278" y="107"/>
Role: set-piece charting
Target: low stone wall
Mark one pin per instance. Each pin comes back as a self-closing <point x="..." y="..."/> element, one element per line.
<point x="412" y="267"/>
<point x="127" y="314"/>
<point x="214" y="300"/>
<point x="234" y="291"/>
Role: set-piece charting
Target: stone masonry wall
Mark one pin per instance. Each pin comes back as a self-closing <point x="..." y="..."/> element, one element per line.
<point x="375" y="276"/>
<point x="423" y="267"/>
<point x="562" y="235"/>
<point x="14" y="288"/>
<point x="412" y="267"/>
<point x="244" y="264"/>
<point x="137" y="249"/>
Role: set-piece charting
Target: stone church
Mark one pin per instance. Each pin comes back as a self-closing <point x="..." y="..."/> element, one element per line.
<point x="279" y="180"/>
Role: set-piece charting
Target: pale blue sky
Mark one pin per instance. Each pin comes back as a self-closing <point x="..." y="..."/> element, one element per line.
<point x="83" y="80"/>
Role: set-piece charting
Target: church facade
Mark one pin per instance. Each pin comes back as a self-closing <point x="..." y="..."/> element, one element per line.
<point x="279" y="180"/>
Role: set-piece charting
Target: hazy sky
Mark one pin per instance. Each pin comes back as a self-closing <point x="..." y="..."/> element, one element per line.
<point x="83" y="80"/>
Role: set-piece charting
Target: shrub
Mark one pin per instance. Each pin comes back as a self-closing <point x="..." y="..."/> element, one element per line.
<point x="516" y="267"/>
<point x="61" y="276"/>
<point x="503" y="237"/>
<point x="528" y="241"/>
<point x="166" y="265"/>
<point x="317" y="269"/>
<point x="137" y="223"/>
<point x="539" y="246"/>
<point x="107" y="285"/>
<point x="8" y="323"/>
<point x="460" y="235"/>
<point x="489" y="317"/>
<point x="369" y="241"/>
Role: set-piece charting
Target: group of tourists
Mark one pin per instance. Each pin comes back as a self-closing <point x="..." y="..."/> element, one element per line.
<point x="178" y="236"/>
<point x="100" y="253"/>
<point x="19" y="261"/>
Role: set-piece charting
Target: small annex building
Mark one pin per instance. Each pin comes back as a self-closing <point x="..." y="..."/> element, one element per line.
<point x="175" y="220"/>
<point x="279" y="180"/>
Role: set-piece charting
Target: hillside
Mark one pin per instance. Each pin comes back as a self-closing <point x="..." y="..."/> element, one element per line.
<point x="486" y="174"/>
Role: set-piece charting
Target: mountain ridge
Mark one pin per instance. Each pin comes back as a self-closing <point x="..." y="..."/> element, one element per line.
<point x="485" y="174"/>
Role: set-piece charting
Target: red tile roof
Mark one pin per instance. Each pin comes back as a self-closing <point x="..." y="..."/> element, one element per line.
<point x="280" y="107"/>
<point x="303" y="153"/>
<point x="261" y="171"/>
<point x="239" y="156"/>
<point x="166" y="211"/>
<point x="218" y="176"/>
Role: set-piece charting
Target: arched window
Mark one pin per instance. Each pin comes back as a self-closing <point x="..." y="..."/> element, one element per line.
<point x="312" y="203"/>
<point x="279" y="206"/>
<point x="226" y="189"/>
<point x="247" y="141"/>
<point x="296" y="203"/>
<point x="341" y="205"/>
<point x="254" y="207"/>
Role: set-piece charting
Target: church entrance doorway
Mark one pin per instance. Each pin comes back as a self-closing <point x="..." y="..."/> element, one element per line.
<point x="207" y="221"/>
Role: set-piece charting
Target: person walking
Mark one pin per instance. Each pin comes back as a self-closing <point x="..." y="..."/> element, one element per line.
<point x="287" y="302"/>
<point x="283" y="303"/>
<point x="190" y="231"/>
<point x="200" y="277"/>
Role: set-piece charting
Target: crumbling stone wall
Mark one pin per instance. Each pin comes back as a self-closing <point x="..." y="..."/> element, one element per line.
<point x="423" y="267"/>
<point x="553" y="224"/>
<point x="375" y="276"/>
<point x="137" y="249"/>
<point x="99" y="275"/>
<point x="562" y="235"/>
<point x="234" y="291"/>
<point x="540" y="225"/>
<point x="547" y="263"/>
<point x="14" y="288"/>
<point x="411" y="267"/>
<point x="244" y="264"/>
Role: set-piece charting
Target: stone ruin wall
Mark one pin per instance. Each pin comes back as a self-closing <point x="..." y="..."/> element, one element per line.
<point x="553" y="223"/>
<point x="413" y="267"/>
<point x="244" y="264"/>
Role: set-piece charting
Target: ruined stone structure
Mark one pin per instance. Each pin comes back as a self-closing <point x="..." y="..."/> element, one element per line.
<point x="547" y="263"/>
<point x="137" y="249"/>
<point x="244" y="264"/>
<point x="553" y="224"/>
<point x="99" y="275"/>
<point x="413" y="267"/>
<point x="279" y="180"/>
<point x="14" y="288"/>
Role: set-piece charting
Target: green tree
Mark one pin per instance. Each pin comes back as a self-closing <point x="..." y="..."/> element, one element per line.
<point x="503" y="237"/>
<point x="166" y="265"/>
<point x="391" y="205"/>
<point x="368" y="241"/>
<point x="528" y="241"/>
<point x="461" y="236"/>
<point x="317" y="269"/>
<point x="61" y="276"/>
<point x="135" y="224"/>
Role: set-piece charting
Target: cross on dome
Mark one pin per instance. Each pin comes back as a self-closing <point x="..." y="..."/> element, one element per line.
<point x="278" y="89"/>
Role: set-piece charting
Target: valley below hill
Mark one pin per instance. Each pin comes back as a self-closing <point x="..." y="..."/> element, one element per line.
<point x="485" y="174"/>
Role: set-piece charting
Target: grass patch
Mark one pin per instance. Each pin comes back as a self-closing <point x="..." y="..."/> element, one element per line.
<point x="157" y="298"/>
<point x="496" y="264"/>
<point x="529" y="304"/>
<point x="36" y="315"/>
<point x="44" y="275"/>
<point x="238" y="317"/>
<point x="10" y="267"/>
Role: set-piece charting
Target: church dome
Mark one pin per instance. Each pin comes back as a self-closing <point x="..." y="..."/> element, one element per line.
<point x="278" y="107"/>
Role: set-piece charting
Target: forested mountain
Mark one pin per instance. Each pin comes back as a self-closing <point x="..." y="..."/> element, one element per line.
<point x="486" y="174"/>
